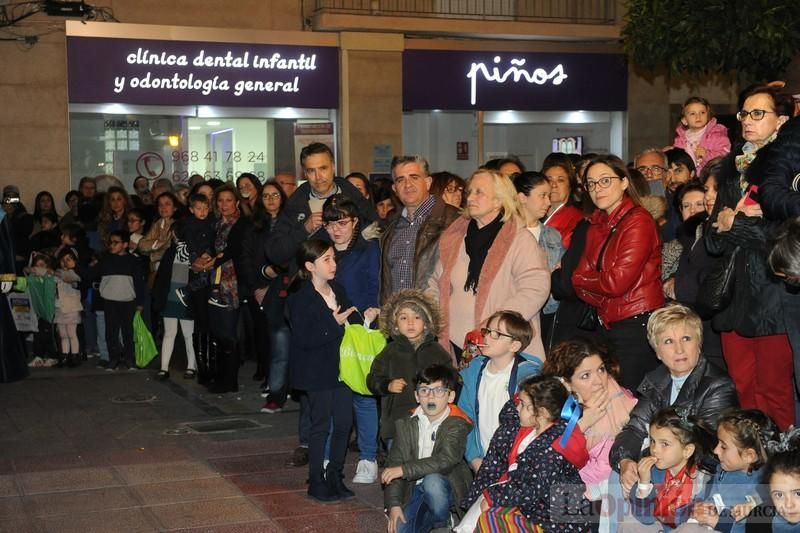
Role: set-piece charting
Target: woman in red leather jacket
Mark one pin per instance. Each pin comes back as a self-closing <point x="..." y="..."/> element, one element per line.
<point x="625" y="286"/>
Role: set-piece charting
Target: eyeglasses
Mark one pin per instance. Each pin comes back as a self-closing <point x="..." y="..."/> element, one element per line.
<point x="438" y="392"/>
<point x="453" y="188"/>
<point x="493" y="333"/>
<point x="655" y="170"/>
<point x="341" y="224"/>
<point x="602" y="183"/>
<point x="268" y="195"/>
<point x="755" y="114"/>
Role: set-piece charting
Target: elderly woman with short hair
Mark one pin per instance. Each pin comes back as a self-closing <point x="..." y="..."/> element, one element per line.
<point x="685" y="381"/>
<point x="489" y="261"/>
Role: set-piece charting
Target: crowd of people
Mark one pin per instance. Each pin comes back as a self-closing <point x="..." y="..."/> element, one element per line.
<point x="560" y="342"/>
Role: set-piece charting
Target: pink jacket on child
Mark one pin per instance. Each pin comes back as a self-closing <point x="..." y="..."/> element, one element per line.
<point x="714" y="139"/>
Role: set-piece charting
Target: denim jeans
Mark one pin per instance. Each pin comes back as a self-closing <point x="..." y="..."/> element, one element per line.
<point x="429" y="507"/>
<point x="100" y="327"/>
<point x="365" y="410"/>
<point x="279" y="336"/>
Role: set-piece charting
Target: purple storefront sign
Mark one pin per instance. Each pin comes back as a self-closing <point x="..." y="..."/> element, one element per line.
<point x="464" y="80"/>
<point x="149" y="72"/>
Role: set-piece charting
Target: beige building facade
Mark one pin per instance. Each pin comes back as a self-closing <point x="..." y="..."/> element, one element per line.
<point x="43" y="132"/>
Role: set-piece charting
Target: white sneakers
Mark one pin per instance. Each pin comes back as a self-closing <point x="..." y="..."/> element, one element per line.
<point x="366" y="472"/>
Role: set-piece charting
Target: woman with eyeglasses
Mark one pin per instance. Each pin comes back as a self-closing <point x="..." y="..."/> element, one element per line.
<point x="619" y="273"/>
<point x="265" y="307"/>
<point x="450" y="187"/>
<point x="357" y="270"/>
<point x="753" y="323"/>
<point x="488" y="261"/>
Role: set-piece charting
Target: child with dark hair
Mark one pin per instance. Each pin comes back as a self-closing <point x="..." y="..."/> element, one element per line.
<point x="671" y="477"/>
<point x="47" y="238"/>
<point x="743" y="436"/>
<point x="122" y="288"/>
<point x="529" y="477"/>
<point x="781" y="514"/>
<point x="358" y="264"/>
<point x="411" y="319"/>
<point x="318" y="309"/>
<point x="197" y="234"/>
<point x="425" y="474"/>
<point x="68" y="306"/>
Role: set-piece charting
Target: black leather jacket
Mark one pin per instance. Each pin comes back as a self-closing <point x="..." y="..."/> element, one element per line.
<point x="706" y="394"/>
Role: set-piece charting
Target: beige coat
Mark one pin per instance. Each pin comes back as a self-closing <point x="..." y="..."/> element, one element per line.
<point x="515" y="277"/>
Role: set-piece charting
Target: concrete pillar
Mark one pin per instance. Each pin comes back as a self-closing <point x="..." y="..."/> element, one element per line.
<point x="371" y="107"/>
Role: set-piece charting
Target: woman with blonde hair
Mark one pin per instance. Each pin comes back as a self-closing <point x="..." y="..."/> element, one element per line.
<point x="489" y="261"/>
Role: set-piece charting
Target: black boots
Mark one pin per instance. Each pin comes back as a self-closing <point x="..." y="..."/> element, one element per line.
<point x="329" y="487"/>
<point x="334" y="478"/>
<point x="320" y="490"/>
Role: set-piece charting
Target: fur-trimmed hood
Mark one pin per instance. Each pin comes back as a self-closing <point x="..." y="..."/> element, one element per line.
<point x="418" y="299"/>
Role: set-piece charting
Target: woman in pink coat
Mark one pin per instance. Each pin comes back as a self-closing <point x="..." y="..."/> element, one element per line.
<point x="489" y="261"/>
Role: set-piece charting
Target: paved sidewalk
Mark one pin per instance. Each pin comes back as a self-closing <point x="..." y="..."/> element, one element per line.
<point x="82" y="450"/>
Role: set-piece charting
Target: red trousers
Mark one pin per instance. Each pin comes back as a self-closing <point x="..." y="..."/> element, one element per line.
<point x="762" y="368"/>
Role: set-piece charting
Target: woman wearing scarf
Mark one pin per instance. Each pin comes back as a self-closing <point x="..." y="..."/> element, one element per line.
<point x="590" y="374"/>
<point x="234" y="285"/>
<point x="754" y="341"/>
<point x="489" y="261"/>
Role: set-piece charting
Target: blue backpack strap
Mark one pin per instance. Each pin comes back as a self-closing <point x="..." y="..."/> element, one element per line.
<point x="478" y="388"/>
<point x="512" y="381"/>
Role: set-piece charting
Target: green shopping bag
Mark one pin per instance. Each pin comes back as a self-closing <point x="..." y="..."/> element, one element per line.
<point x="360" y="346"/>
<point x="143" y="342"/>
<point x="43" y="296"/>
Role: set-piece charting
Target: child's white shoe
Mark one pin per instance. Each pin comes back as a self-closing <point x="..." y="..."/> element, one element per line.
<point x="366" y="472"/>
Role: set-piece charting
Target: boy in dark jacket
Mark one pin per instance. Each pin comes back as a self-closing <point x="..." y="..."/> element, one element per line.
<point x="122" y="289"/>
<point x="426" y="474"/>
<point x="195" y="236"/>
<point x="412" y="320"/>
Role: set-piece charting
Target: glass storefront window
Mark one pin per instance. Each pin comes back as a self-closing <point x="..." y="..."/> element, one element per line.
<point x="176" y="147"/>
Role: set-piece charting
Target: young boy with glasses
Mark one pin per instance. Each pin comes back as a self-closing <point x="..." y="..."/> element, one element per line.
<point x="425" y="473"/>
<point x="122" y="289"/>
<point x="493" y="377"/>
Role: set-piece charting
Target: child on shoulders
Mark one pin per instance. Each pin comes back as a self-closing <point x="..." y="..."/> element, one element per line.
<point x="700" y="134"/>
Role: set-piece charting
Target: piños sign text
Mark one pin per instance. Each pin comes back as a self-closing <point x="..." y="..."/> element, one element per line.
<point x="150" y="72"/>
<point x="445" y="79"/>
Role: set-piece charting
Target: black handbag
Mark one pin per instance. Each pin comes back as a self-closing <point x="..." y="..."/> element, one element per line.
<point x="716" y="290"/>
<point x="589" y="321"/>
